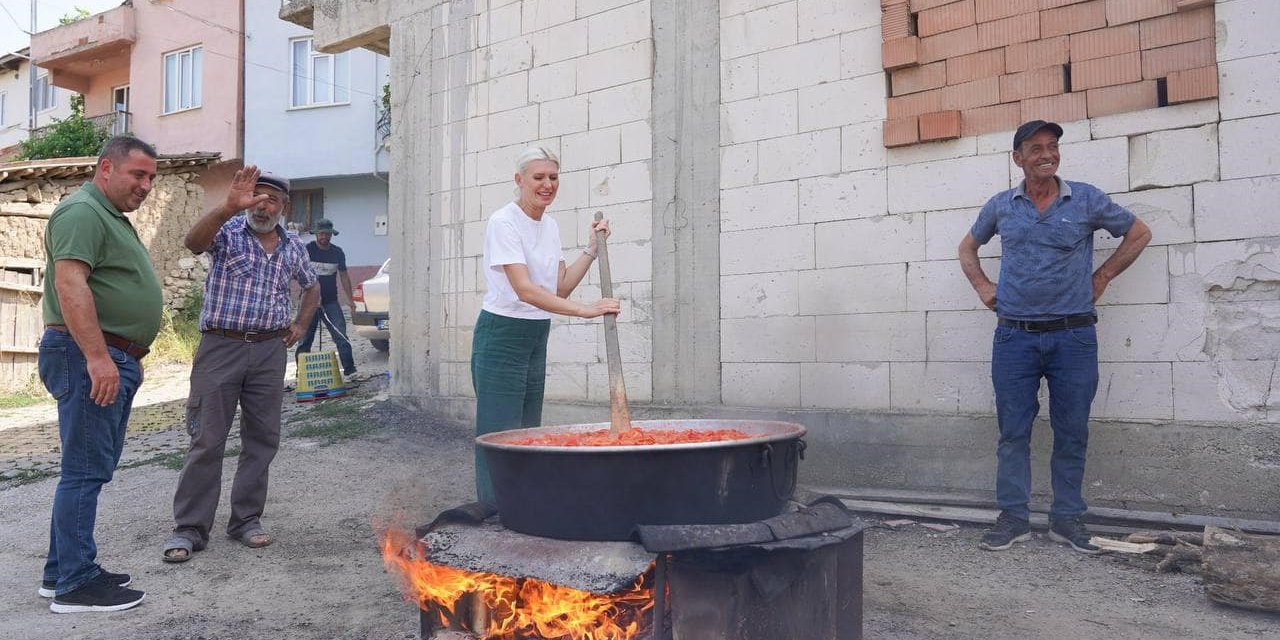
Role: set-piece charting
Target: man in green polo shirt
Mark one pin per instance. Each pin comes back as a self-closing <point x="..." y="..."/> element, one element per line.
<point x="102" y="308"/>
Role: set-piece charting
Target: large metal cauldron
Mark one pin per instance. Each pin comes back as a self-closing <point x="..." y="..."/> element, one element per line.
<point x="602" y="493"/>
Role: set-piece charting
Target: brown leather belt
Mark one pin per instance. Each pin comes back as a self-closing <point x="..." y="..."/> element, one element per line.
<point x="124" y="344"/>
<point x="249" y="336"/>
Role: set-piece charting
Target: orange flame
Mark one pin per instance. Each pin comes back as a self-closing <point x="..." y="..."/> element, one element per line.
<point x="518" y="607"/>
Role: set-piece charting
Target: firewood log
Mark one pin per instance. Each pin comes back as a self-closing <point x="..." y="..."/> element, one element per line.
<point x="1242" y="569"/>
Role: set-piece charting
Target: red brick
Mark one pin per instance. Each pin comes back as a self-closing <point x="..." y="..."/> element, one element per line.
<point x="1067" y="107"/>
<point x="1054" y="4"/>
<point x="1178" y="28"/>
<point x="983" y="64"/>
<point x="923" y="5"/>
<point x="970" y="95"/>
<point x="1101" y="43"/>
<point x="1073" y="19"/>
<point x="948" y="17"/>
<point x="1122" y="98"/>
<point x="1193" y="84"/>
<point x="1122" y="11"/>
<point x="1000" y="117"/>
<point x="1032" y="55"/>
<point x="1105" y="72"/>
<point x="895" y="22"/>
<point x="915" y="104"/>
<point x="988" y="10"/>
<point x="1006" y="31"/>
<point x="900" y="132"/>
<point x="941" y="125"/>
<point x="1032" y="84"/>
<point x="899" y="53"/>
<point x="917" y="79"/>
<point x="1191" y="5"/>
<point x="949" y="45"/>
<point x="1159" y="63"/>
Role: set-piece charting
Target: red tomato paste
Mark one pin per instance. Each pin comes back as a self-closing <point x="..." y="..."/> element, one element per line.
<point x="632" y="436"/>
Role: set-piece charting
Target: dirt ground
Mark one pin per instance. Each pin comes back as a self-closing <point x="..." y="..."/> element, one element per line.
<point x="324" y="579"/>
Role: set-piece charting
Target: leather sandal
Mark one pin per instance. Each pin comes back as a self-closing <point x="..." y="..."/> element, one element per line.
<point x="177" y="549"/>
<point x="255" y="538"/>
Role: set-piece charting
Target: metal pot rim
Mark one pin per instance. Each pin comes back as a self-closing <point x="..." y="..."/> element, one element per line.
<point x="763" y="431"/>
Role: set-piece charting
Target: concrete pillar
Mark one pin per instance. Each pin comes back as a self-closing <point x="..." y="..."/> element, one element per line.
<point x="686" y="202"/>
<point x="414" y="211"/>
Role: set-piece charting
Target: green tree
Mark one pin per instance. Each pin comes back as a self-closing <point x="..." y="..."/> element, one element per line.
<point x="72" y="137"/>
<point x="77" y="14"/>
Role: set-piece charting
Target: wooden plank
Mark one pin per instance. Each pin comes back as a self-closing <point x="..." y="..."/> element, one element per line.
<point x="1242" y="570"/>
<point x="13" y="348"/>
<point x="13" y="286"/>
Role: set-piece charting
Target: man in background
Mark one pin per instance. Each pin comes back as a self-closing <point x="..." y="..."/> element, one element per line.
<point x="330" y="265"/>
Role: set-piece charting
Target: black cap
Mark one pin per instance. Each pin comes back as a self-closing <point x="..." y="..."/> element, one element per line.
<point x="1029" y="129"/>
<point x="324" y="224"/>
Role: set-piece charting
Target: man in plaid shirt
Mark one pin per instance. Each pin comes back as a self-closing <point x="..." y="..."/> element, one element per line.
<point x="246" y="332"/>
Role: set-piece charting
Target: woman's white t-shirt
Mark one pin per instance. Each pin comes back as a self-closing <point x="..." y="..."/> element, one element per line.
<point x="512" y="237"/>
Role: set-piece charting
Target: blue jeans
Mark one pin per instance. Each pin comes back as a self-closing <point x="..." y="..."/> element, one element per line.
<point x="92" y="441"/>
<point x="1068" y="359"/>
<point x="332" y="313"/>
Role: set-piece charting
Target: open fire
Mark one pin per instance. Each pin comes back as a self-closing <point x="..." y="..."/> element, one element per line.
<point x="513" y="608"/>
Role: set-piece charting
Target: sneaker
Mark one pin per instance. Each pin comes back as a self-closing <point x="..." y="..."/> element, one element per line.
<point x="96" y="595"/>
<point x="119" y="579"/>
<point x="1008" y="530"/>
<point x="349" y="372"/>
<point x="1072" y="531"/>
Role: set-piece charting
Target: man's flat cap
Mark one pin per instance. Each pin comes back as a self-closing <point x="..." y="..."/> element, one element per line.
<point x="1029" y="129"/>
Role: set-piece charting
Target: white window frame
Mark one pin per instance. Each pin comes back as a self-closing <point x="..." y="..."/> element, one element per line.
<point x="336" y="84"/>
<point x="188" y="64"/>
<point x="4" y="107"/>
<point x="46" y="94"/>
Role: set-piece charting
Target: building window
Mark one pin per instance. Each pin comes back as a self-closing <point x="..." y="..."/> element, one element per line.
<point x="318" y="78"/>
<point x="306" y="206"/>
<point x="46" y="94"/>
<point x="4" y="106"/>
<point x="183" y="71"/>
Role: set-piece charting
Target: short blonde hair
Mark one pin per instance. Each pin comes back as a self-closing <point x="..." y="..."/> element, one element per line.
<point x="533" y="154"/>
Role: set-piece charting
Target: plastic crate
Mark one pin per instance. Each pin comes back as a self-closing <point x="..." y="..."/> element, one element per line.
<point x="319" y="376"/>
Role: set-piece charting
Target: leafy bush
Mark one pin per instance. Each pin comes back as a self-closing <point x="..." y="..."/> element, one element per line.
<point x="72" y="137"/>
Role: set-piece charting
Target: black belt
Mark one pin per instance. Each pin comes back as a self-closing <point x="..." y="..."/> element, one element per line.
<point x="1038" y="326"/>
<point x="124" y="344"/>
<point x="249" y="336"/>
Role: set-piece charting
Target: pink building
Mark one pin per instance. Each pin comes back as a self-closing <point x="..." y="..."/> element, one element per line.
<point x="168" y="72"/>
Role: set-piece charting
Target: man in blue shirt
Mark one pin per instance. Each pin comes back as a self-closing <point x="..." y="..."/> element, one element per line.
<point x="1044" y="301"/>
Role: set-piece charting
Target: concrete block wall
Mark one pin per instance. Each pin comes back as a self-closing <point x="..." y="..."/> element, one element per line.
<point x="840" y="285"/>
<point x="575" y="78"/>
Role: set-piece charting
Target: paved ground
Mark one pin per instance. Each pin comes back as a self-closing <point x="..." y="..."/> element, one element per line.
<point x="324" y="579"/>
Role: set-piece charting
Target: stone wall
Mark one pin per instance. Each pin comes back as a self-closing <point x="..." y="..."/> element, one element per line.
<point x="162" y="221"/>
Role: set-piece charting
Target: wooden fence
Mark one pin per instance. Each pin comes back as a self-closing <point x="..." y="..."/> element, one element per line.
<point x="21" y="322"/>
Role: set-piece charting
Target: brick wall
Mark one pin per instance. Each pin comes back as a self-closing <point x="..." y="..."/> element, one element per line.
<point x="969" y="67"/>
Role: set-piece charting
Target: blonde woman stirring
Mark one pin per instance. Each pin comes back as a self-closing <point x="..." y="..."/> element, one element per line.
<point x="528" y="281"/>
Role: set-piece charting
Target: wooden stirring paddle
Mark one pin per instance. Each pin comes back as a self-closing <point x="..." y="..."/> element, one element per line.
<point x="619" y="413"/>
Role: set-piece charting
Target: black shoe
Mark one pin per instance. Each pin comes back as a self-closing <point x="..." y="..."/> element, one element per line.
<point x="349" y="372"/>
<point x="96" y="595"/>
<point x="119" y="579"/>
<point x="1073" y="532"/>
<point x="1008" y="530"/>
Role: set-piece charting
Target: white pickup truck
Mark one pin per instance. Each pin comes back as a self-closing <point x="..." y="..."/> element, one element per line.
<point x="371" y="318"/>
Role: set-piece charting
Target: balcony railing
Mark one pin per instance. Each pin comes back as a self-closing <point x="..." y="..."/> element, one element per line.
<point x="114" y="123"/>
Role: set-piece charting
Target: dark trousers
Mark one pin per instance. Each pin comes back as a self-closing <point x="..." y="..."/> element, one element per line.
<point x="509" y="372"/>
<point x="226" y="373"/>
<point x="331" y="312"/>
<point x="92" y="439"/>
<point x="1068" y="359"/>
